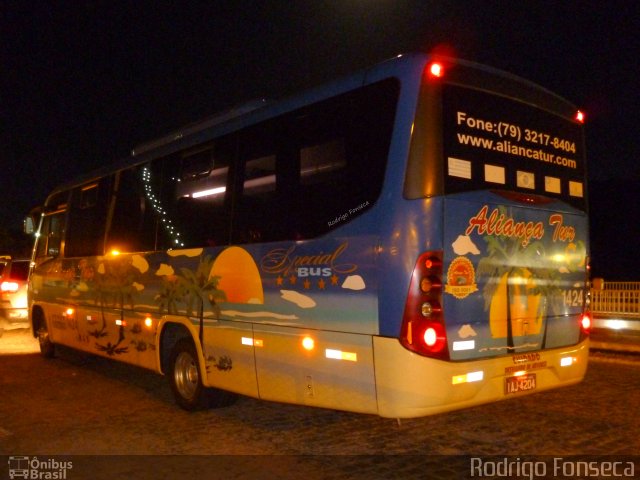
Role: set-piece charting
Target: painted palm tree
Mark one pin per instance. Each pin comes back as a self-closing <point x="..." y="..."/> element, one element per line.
<point x="100" y="290"/>
<point x="171" y="293"/>
<point x="517" y="295"/>
<point x="200" y="286"/>
<point x="118" y="287"/>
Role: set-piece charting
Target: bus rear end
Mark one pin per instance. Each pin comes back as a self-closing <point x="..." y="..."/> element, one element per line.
<point x="496" y="301"/>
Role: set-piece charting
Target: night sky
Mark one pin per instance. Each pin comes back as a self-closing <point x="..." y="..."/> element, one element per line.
<point x="83" y="82"/>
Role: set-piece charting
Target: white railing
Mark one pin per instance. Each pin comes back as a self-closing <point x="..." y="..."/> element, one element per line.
<point x="620" y="298"/>
<point x="626" y="286"/>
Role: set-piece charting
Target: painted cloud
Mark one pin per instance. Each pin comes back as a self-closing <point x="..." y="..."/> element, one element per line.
<point x="354" y="282"/>
<point x="165" y="270"/>
<point x="464" y="245"/>
<point x="466" y="331"/>
<point x="139" y="262"/>
<point x="299" y="299"/>
<point x="188" y="252"/>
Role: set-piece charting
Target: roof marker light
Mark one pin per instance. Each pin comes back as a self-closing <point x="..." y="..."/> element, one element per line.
<point x="436" y="70"/>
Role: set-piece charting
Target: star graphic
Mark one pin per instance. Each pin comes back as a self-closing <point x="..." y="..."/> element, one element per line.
<point x="292" y="279"/>
<point x="321" y="284"/>
<point x="279" y="280"/>
<point x="307" y="284"/>
<point x="334" y="280"/>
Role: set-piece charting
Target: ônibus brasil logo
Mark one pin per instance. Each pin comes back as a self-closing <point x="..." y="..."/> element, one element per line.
<point x="34" y="468"/>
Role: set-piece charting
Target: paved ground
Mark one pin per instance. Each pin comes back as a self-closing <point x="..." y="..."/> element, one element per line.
<point x="82" y="405"/>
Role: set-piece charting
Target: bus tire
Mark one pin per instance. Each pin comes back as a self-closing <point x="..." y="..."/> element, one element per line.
<point x="185" y="380"/>
<point x="47" y="347"/>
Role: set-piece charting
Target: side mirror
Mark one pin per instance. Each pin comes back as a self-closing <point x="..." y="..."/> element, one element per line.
<point x="32" y="221"/>
<point x="29" y="226"/>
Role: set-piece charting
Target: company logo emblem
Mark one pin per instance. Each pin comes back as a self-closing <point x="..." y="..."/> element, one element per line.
<point x="461" y="278"/>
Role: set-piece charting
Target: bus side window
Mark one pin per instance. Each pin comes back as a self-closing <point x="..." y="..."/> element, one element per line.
<point x="132" y="226"/>
<point x="201" y="205"/>
<point x="257" y="212"/>
<point x="51" y="233"/>
<point x="343" y="145"/>
<point x="87" y="219"/>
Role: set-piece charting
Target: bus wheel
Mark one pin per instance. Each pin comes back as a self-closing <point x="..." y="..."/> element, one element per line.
<point x="185" y="380"/>
<point x="47" y="348"/>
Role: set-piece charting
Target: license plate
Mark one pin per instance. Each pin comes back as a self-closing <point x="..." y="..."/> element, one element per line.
<point x="522" y="383"/>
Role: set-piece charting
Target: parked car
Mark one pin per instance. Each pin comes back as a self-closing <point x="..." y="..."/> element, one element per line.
<point x="13" y="293"/>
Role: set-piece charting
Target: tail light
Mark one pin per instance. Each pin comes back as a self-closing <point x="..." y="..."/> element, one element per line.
<point x="585" y="320"/>
<point x="585" y="324"/>
<point x="423" y="328"/>
<point x="9" y="287"/>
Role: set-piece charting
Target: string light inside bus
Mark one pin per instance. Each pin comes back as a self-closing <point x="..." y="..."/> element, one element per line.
<point x="157" y="206"/>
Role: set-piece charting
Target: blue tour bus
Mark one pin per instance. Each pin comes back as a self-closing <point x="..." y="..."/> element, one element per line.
<point x="409" y="240"/>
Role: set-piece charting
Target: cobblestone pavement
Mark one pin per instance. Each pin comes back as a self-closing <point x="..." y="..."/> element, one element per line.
<point x="83" y="405"/>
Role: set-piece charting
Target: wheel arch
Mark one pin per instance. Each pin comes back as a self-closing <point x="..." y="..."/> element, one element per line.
<point x="171" y="332"/>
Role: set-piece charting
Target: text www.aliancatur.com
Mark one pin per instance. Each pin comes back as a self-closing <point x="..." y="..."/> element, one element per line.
<point x="505" y="146"/>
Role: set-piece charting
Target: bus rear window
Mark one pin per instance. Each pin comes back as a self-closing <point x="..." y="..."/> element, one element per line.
<point x="495" y="142"/>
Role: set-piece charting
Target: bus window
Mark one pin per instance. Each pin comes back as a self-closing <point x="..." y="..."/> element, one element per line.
<point x="514" y="147"/>
<point x="189" y="197"/>
<point x="87" y="219"/>
<point x="260" y="176"/>
<point x="51" y="233"/>
<point x="322" y="161"/>
<point x="342" y="142"/>
<point x="49" y="242"/>
<point x="132" y="225"/>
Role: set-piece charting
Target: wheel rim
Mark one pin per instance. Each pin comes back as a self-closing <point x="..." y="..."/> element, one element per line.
<point x="185" y="375"/>
<point x="43" y="337"/>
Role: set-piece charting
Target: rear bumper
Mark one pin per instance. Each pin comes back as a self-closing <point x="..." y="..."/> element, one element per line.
<point x="409" y="385"/>
<point x="13" y="318"/>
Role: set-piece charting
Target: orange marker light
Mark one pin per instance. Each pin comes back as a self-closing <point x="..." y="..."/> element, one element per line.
<point x="308" y="343"/>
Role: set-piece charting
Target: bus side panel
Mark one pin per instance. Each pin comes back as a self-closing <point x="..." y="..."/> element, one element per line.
<point x="316" y="368"/>
<point x="229" y="357"/>
<point x="413" y="228"/>
<point x="90" y="305"/>
<point x="409" y="385"/>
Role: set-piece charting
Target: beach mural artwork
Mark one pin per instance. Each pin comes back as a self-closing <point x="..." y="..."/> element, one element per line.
<point x="513" y="274"/>
<point x="119" y="298"/>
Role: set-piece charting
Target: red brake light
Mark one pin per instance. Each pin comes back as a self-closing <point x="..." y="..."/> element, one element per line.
<point x="435" y="337"/>
<point x="579" y="116"/>
<point x="585" y="323"/>
<point x="423" y="329"/>
<point x="9" y="287"/>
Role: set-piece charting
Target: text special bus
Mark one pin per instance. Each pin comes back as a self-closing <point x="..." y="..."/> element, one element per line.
<point x="409" y="240"/>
